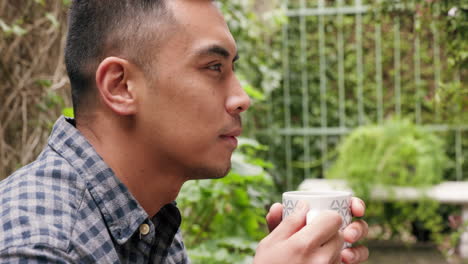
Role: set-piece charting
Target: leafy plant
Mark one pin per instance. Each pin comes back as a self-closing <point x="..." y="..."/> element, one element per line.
<point x="225" y="218"/>
<point x="452" y="99"/>
<point x="397" y="153"/>
<point x="34" y="87"/>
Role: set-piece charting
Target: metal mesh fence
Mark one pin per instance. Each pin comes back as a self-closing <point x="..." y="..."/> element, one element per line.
<point x="350" y="63"/>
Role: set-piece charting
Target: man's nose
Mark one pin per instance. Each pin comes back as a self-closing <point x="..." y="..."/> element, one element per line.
<point x="238" y="101"/>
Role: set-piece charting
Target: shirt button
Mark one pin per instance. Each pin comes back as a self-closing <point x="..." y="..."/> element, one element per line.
<point x="144" y="229"/>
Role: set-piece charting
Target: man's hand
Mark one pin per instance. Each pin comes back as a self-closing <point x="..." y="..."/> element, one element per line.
<point x="292" y="242"/>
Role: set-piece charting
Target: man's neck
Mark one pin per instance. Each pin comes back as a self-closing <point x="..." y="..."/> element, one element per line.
<point x="153" y="183"/>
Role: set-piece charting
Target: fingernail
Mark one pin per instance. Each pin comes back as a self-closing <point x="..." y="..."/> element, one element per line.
<point x="350" y="256"/>
<point x="354" y="234"/>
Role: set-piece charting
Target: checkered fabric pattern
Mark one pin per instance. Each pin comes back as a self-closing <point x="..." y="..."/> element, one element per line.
<point x="69" y="207"/>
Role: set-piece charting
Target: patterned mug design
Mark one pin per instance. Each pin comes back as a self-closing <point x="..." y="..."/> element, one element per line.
<point x="342" y="207"/>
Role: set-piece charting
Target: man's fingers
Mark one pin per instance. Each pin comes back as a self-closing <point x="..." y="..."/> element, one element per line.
<point x="292" y="223"/>
<point x="320" y="230"/>
<point x="358" y="207"/>
<point x="333" y="247"/>
<point x="355" y="255"/>
<point x="356" y="231"/>
<point x="274" y="216"/>
<point x="329" y="252"/>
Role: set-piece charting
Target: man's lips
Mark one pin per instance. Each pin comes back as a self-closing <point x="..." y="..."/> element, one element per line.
<point x="230" y="137"/>
<point x="233" y="133"/>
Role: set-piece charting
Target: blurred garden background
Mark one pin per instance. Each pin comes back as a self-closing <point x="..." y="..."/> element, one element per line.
<point x="374" y="92"/>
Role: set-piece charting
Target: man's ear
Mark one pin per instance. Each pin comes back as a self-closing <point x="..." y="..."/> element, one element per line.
<point x="112" y="81"/>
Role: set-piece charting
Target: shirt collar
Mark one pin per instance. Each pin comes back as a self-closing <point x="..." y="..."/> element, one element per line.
<point x="120" y="209"/>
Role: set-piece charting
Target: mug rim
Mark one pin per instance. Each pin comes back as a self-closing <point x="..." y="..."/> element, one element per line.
<point x="318" y="194"/>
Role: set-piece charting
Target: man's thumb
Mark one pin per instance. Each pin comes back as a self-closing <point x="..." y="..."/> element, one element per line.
<point x="293" y="222"/>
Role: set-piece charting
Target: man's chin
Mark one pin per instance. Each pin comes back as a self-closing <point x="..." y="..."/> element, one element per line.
<point x="209" y="173"/>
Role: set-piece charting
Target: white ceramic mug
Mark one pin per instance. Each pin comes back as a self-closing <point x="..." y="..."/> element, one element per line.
<point x="318" y="202"/>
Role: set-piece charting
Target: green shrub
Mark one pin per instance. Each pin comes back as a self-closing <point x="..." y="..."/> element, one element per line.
<point x="397" y="153"/>
<point x="223" y="219"/>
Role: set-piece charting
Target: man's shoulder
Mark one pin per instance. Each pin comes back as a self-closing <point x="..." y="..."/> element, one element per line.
<point x="39" y="203"/>
<point x="50" y="174"/>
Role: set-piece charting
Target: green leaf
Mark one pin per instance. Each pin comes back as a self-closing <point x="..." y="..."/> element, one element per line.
<point x="5" y="28"/>
<point x="253" y="93"/>
<point x="53" y="99"/>
<point x="41" y="2"/>
<point x="53" y="19"/>
<point x="19" y="31"/>
<point x="44" y="83"/>
<point x="68" y="112"/>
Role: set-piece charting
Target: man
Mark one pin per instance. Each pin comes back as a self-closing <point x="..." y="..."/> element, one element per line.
<point x="157" y="103"/>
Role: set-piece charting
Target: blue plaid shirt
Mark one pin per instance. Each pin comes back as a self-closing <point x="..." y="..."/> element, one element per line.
<point x="69" y="207"/>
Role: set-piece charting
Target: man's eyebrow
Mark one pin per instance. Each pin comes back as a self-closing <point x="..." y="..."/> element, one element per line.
<point x="217" y="50"/>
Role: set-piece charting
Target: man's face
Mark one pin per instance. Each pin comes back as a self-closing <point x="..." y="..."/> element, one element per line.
<point x="190" y="110"/>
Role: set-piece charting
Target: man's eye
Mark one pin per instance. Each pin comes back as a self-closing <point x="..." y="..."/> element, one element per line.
<point x="216" y="67"/>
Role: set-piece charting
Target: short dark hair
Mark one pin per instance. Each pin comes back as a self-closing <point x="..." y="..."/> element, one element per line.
<point x="101" y="28"/>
